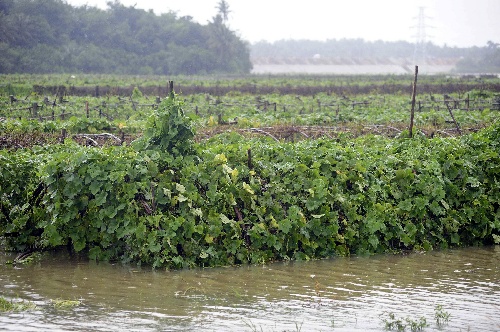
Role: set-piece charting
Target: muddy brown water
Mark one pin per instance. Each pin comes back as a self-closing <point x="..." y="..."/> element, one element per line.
<point x="339" y="294"/>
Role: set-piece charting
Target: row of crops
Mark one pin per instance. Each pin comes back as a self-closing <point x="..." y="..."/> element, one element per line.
<point x="204" y="180"/>
<point x="35" y="116"/>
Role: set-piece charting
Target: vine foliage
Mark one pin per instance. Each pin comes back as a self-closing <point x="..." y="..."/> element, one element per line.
<point x="305" y="200"/>
<point x="168" y="129"/>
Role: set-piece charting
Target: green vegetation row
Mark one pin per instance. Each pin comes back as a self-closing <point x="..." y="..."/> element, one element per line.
<point x="125" y="117"/>
<point x="166" y="201"/>
<point x="51" y="84"/>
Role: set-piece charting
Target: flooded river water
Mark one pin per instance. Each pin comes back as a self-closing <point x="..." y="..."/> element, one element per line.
<point x="339" y="294"/>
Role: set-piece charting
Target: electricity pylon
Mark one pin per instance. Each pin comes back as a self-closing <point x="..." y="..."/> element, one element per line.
<point x="421" y="38"/>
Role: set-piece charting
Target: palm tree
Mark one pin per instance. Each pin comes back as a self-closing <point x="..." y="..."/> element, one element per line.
<point x="223" y="8"/>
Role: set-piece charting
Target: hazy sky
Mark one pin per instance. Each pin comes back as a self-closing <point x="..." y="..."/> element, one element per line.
<point x="461" y="23"/>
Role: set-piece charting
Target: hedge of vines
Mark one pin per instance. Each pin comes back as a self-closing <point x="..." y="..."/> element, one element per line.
<point x="168" y="202"/>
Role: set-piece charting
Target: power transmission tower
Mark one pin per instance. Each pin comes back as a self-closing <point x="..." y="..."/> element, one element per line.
<point x="421" y="38"/>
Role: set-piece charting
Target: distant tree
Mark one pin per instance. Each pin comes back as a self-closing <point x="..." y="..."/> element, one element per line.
<point x="223" y="10"/>
<point x="492" y="45"/>
<point x="484" y="59"/>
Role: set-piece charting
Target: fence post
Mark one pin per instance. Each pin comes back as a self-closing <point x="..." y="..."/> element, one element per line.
<point x="170" y="88"/>
<point x="249" y="162"/>
<point x="63" y="135"/>
<point x="414" y="93"/>
<point x="34" y="108"/>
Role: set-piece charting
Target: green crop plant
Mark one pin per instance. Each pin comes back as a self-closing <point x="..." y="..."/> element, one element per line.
<point x="168" y="129"/>
<point x="393" y="323"/>
<point x="442" y="317"/>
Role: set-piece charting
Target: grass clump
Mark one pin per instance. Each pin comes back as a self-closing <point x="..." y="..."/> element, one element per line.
<point x="393" y="323"/>
<point x="65" y="304"/>
<point x="12" y="306"/>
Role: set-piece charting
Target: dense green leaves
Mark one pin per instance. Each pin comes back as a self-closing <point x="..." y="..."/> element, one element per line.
<point x="168" y="129"/>
<point x="303" y="200"/>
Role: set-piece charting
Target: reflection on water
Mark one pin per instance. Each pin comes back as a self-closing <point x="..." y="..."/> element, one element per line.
<point x="341" y="294"/>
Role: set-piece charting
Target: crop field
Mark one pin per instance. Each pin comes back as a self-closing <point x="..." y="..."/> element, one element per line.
<point x="47" y="108"/>
<point x="210" y="172"/>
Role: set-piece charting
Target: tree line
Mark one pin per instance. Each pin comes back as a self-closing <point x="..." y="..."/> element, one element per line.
<point x="51" y="36"/>
<point x="472" y="59"/>
<point x="46" y="36"/>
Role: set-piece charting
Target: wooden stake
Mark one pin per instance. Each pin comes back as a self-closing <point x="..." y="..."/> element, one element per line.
<point x="63" y="135"/>
<point x="34" y="108"/>
<point x="171" y="88"/>
<point x="249" y="153"/>
<point x="414" y="93"/>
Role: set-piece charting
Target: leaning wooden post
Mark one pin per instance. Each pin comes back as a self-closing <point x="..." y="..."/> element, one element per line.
<point x="453" y="117"/>
<point x="414" y="93"/>
<point x="87" y="109"/>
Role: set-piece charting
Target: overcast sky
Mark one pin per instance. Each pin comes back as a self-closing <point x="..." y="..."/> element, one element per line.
<point x="461" y="23"/>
